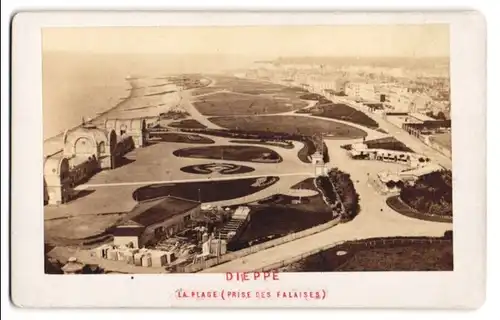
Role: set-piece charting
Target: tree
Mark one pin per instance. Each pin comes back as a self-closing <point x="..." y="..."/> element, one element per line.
<point x="441" y="115"/>
<point x="391" y="184"/>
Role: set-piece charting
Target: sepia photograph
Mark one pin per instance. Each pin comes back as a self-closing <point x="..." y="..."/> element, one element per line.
<point x="248" y="159"/>
<point x="260" y="148"/>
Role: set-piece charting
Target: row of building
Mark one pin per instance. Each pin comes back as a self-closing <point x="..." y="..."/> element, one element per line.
<point x="373" y="85"/>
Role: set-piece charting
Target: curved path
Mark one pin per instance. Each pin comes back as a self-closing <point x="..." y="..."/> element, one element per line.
<point x="412" y="142"/>
<point x="376" y="219"/>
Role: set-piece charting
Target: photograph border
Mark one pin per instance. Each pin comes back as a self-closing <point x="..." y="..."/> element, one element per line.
<point x="464" y="287"/>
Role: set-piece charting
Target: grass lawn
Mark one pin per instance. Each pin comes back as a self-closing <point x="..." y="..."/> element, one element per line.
<point x="312" y="204"/>
<point x="222" y="168"/>
<point x="436" y="256"/>
<point x="444" y="139"/>
<point x="273" y="221"/>
<point x="396" y="204"/>
<point x="180" y="138"/>
<point x="291" y="125"/>
<point x="187" y="124"/>
<point x="285" y="145"/>
<point x="346" y="113"/>
<point x="205" y="191"/>
<point x="277" y="217"/>
<point x="64" y="230"/>
<point x="206" y="90"/>
<point x="235" y="153"/>
<point x="246" y="85"/>
<point x="230" y="103"/>
<point x="389" y="143"/>
<point x="266" y="138"/>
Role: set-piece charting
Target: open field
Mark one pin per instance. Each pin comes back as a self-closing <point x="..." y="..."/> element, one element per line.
<point x="359" y="256"/>
<point x="290" y="125"/>
<point x="222" y="168"/>
<point x="205" y="191"/>
<point x="79" y="229"/>
<point x="247" y="86"/>
<point x="187" y="124"/>
<point x="343" y="112"/>
<point x="180" y="138"/>
<point x="230" y="103"/>
<point x="389" y="143"/>
<point x="235" y="153"/>
<point x="206" y="90"/>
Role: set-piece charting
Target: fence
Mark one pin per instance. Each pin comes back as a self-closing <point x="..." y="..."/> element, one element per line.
<point x="368" y="243"/>
<point x="253" y="249"/>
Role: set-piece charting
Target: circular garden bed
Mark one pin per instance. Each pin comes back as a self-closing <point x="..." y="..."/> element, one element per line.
<point x="222" y="168"/>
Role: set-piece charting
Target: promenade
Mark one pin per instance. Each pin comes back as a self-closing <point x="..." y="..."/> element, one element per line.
<point x="376" y="219"/>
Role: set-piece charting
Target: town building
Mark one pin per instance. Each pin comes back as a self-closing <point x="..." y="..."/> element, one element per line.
<point x="362" y="91"/>
<point x="156" y="219"/>
<point x="361" y="151"/>
<point x="422" y="128"/>
<point x="409" y="175"/>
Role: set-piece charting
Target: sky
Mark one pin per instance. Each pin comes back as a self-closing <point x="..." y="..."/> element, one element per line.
<point x="425" y="40"/>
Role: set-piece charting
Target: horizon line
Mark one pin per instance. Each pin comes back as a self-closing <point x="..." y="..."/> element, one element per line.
<point x="262" y="58"/>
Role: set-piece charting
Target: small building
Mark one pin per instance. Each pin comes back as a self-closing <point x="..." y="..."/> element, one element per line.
<point x="361" y="151"/>
<point x="320" y="168"/>
<point x="426" y="127"/>
<point x="395" y="180"/>
<point x="73" y="266"/>
<point x="152" y="220"/>
<point x="242" y="213"/>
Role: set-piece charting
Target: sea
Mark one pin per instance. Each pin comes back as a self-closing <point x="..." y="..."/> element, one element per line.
<point x="81" y="85"/>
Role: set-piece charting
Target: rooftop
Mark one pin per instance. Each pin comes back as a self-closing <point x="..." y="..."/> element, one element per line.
<point x="420" y="171"/>
<point x="421" y="117"/>
<point x="153" y="211"/>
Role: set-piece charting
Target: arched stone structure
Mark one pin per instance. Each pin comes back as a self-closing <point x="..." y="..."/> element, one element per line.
<point x="57" y="179"/>
<point x="83" y="146"/>
<point x="86" y="150"/>
<point x="134" y="128"/>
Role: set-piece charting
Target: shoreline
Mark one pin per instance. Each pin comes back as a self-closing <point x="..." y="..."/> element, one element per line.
<point x="48" y="151"/>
